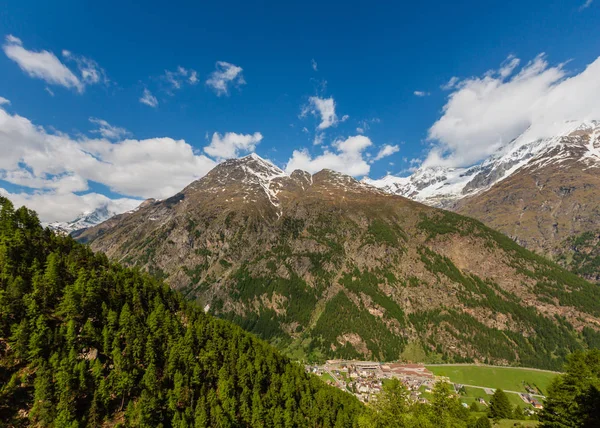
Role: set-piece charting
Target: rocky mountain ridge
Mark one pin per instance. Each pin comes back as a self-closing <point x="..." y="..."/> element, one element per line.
<point x="326" y="266"/>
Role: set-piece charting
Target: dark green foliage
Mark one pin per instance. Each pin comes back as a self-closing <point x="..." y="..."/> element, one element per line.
<point x="385" y="233"/>
<point x="518" y="413"/>
<point x="581" y="255"/>
<point x="342" y="317"/>
<point x="368" y="283"/>
<point x="500" y="407"/>
<point x="291" y="228"/>
<point x="482" y="422"/>
<point x="84" y="341"/>
<point x="300" y="299"/>
<point x="573" y="399"/>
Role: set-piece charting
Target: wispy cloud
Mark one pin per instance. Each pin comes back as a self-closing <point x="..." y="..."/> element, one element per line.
<point x="4" y="101"/>
<point x="386" y="150"/>
<point x="107" y="130"/>
<point x="224" y="76"/>
<point x="313" y="64"/>
<point x="585" y="5"/>
<point x="325" y="109"/>
<point x="89" y="70"/>
<point x="451" y="84"/>
<point x="365" y="125"/>
<point x="421" y="93"/>
<point x="148" y="99"/>
<point x="176" y="79"/>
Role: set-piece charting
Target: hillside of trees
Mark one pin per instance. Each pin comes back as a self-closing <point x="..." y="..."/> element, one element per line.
<point x="86" y="342"/>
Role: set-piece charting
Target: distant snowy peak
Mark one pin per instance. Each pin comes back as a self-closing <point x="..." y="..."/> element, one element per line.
<point x="92" y="218"/>
<point x="442" y="187"/>
<point x="84" y="220"/>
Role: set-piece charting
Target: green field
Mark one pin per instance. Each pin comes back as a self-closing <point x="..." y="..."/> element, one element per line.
<point x="327" y="378"/>
<point x="506" y="378"/>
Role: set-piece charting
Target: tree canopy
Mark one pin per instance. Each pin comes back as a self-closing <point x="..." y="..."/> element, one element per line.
<point x="84" y="342"/>
<point x="574" y="398"/>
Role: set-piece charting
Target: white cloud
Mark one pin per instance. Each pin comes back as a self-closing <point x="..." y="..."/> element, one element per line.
<point x="421" y="93"/>
<point x="386" y="150"/>
<point x="42" y="65"/>
<point x="225" y="75"/>
<point x="59" y="164"/>
<point x="451" y="84"/>
<point x="4" y="101"/>
<point x="50" y="92"/>
<point x="148" y="99"/>
<point x="107" y="130"/>
<point x="89" y="70"/>
<point x="508" y="66"/>
<point x="182" y="75"/>
<point x="585" y="5"/>
<point x="46" y="66"/>
<point x="323" y="108"/>
<point x="318" y="140"/>
<point x="313" y="64"/>
<point x="484" y="113"/>
<point x="231" y="144"/>
<point x="347" y="158"/>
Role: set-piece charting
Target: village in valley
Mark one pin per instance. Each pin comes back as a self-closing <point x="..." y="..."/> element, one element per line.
<point x="365" y="380"/>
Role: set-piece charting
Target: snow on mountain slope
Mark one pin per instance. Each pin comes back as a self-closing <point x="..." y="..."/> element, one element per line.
<point x="91" y="218"/>
<point x="442" y="186"/>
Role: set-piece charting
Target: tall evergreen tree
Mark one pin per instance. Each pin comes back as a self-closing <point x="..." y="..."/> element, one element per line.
<point x="500" y="407"/>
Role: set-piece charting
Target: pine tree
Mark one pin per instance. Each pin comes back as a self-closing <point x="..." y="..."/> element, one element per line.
<point x="482" y="422"/>
<point x="500" y="407"/>
<point x="518" y="413"/>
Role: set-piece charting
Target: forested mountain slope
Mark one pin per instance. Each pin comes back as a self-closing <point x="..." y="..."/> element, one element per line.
<point x="326" y="266"/>
<point x="86" y="342"/>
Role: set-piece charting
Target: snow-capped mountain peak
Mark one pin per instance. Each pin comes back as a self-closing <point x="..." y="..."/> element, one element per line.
<point x="442" y="186"/>
<point x="84" y="220"/>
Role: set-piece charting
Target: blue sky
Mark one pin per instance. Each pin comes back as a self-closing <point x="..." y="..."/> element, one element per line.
<point x="290" y="64"/>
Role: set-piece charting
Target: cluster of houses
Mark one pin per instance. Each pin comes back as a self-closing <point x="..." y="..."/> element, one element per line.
<point x="534" y="401"/>
<point x="365" y="378"/>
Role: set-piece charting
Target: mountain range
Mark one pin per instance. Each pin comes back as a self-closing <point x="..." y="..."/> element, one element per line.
<point x="326" y="266"/>
<point x="542" y="192"/>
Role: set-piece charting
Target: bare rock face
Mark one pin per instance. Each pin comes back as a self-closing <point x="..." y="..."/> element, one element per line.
<point x="326" y="266"/>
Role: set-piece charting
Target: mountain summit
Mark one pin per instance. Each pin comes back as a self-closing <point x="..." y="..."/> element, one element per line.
<point x="326" y="266"/>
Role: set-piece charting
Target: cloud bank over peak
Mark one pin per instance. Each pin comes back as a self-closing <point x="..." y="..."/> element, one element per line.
<point x="485" y="113"/>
